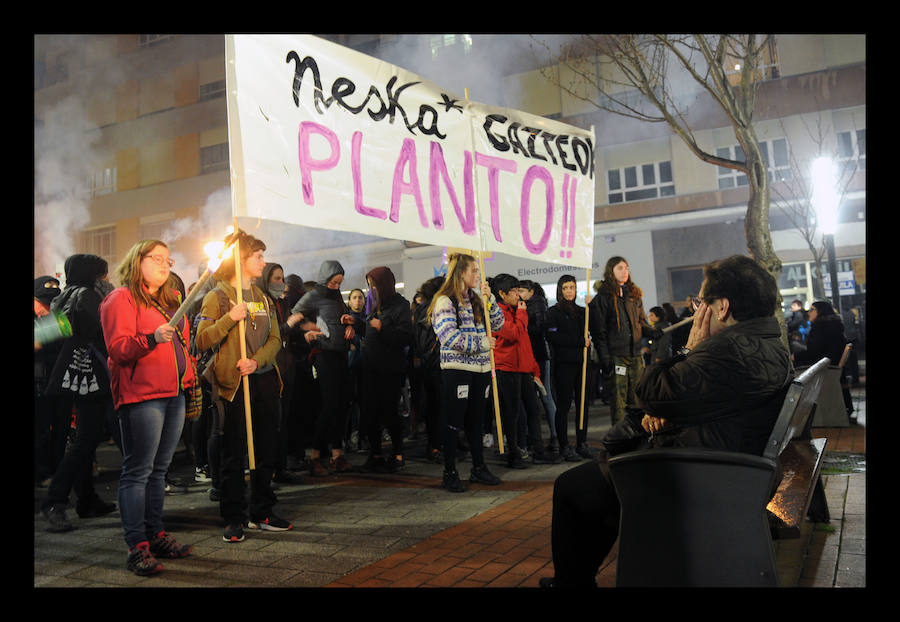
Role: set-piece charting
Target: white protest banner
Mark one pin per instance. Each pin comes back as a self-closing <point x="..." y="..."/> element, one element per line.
<point x="323" y="136"/>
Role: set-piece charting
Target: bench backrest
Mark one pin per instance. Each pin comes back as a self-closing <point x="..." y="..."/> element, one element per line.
<point x="797" y="408"/>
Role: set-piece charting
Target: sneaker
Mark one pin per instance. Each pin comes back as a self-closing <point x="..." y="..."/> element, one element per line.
<point x="488" y="441"/>
<point x="515" y="461"/>
<point x="286" y="477"/>
<point x="374" y="464"/>
<point x="553" y="447"/>
<point x="544" y="457"/>
<point x="340" y="464"/>
<point x="214" y="494"/>
<point x="524" y="453"/>
<point x="568" y="454"/>
<point x="165" y="546"/>
<point x="97" y="507"/>
<point x="270" y="523"/>
<point x="452" y="483"/>
<point x="201" y="475"/>
<point x="434" y="456"/>
<point x="584" y="450"/>
<point x="141" y="561"/>
<point x="56" y="516"/>
<point x="234" y="533"/>
<point x="481" y="475"/>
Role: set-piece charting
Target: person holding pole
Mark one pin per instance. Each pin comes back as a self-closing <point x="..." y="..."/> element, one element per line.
<point x="238" y="380"/>
<point x="568" y="343"/>
<point x="457" y="315"/>
<point x="618" y="311"/>
<point x="149" y="370"/>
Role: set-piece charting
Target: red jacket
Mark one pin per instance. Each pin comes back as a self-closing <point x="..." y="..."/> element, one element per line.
<point x="513" y="350"/>
<point x="138" y="372"/>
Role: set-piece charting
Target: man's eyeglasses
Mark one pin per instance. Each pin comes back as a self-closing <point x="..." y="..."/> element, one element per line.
<point x="160" y="260"/>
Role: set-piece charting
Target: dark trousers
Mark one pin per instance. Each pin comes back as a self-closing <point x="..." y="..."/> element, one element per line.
<point x="517" y="388"/>
<point x="76" y="470"/>
<point x="463" y="408"/>
<point x="379" y="408"/>
<point x="431" y="385"/>
<point x="585" y="523"/>
<point x="334" y="387"/>
<point x="52" y="414"/>
<point x="264" y="411"/>
<point x="567" y="384"/>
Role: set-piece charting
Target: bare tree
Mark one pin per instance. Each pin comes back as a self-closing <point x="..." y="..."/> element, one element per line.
<point x="641" y="76"/>
<point x="793" y="196"/>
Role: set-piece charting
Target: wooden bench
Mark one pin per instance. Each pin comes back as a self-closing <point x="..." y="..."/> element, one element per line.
<point x="698" y="517"/>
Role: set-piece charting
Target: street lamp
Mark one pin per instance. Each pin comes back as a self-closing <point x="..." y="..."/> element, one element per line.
<point x="825" y="203"/>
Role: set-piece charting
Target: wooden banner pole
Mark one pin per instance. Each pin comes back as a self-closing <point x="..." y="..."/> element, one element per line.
<point x="242" y="332"/>
<point x="587" y="314"/>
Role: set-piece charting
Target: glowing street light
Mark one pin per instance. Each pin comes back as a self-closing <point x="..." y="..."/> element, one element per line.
<point x="825" y="203"/>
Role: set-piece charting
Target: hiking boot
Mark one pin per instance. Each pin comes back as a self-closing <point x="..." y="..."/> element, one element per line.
<point x="270" y="523"/>
<point x="141" y="561"/>
<point x="452" y="483"/>
<point x="165" y="546"/>
<point x="340" y="464"/>
<point x="56" y="516"/>
<point x="481" y="475"/>
<point x="234" y="533"/>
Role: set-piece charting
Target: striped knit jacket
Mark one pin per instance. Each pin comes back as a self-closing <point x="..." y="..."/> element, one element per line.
<point x="464" y="344"/>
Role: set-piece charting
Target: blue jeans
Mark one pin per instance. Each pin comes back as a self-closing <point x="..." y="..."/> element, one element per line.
<point x="150" y="432"/>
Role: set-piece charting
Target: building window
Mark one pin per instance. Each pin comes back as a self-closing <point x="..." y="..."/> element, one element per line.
<point x="775" y="157"/>
<point x="852" y="148"/>
<point x="145" y="41"/>
<point x="439" y="42"/>
<point x="640" y="183"/>
<point x="103" y="181"/>
<point x="155" y="230"/>
<point x="100" y="242"/>
<point x="684" y="282"/>
<point x="211" y="90"/>
<point x="214" y="158"/>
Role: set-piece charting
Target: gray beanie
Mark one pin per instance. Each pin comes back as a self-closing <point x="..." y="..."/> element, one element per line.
<point x="329" y="269"/>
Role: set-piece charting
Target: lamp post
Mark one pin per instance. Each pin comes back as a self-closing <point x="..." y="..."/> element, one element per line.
<point x="825" y="203"/>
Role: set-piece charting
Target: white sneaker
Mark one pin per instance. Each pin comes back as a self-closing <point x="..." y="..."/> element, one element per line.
<point x="488" y="440"/>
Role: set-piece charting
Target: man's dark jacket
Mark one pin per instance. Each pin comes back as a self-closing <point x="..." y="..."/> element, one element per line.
<point x="385" y="350"/>
<point x="725" y="394"/>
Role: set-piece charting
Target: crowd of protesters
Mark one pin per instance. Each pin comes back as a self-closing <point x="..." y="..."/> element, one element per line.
<point x="324" y="376"/>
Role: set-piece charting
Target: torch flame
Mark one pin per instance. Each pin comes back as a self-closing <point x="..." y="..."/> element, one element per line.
<point x="216" y="252"/>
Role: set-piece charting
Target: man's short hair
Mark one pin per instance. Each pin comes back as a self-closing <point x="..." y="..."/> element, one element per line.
<point x="750" y="289"/>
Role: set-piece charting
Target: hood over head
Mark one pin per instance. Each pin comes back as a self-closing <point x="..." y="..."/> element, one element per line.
<point x="384" y="281"/>
<point x="327" y="270"/>
<point x="83" y="269"/>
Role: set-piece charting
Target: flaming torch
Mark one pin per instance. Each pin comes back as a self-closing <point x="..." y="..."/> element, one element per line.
<point x="216" y="251"/>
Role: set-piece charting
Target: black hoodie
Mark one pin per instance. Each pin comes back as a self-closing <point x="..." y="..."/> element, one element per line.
<point x="80" y="300"/>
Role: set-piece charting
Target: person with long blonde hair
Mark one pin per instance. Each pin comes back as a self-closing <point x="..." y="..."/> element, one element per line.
<point x="457" y="316"/>
<point x="150" y="370"/>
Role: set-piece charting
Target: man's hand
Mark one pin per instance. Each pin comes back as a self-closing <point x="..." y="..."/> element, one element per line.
<point x="652" y="424"/>
<point x="247" y="366"/>
<point x="375" y="323"/>
<point x="311" y="335"/>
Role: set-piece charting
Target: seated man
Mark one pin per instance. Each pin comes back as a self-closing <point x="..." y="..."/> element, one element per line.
<point x="722" y="391"/>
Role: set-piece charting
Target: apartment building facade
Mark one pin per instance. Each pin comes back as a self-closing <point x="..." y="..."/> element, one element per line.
<point x="141" y="120"/>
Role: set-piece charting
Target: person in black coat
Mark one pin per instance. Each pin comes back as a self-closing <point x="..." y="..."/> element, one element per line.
<point x="427" y="355"/>
<point x="826" y="338"/>
<point x="80" y="373"/>
<point x="538" y="315"/>
<point x="565" y="334"/>
<point x="724" y="391"/>
<point x="389" y="333"/>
